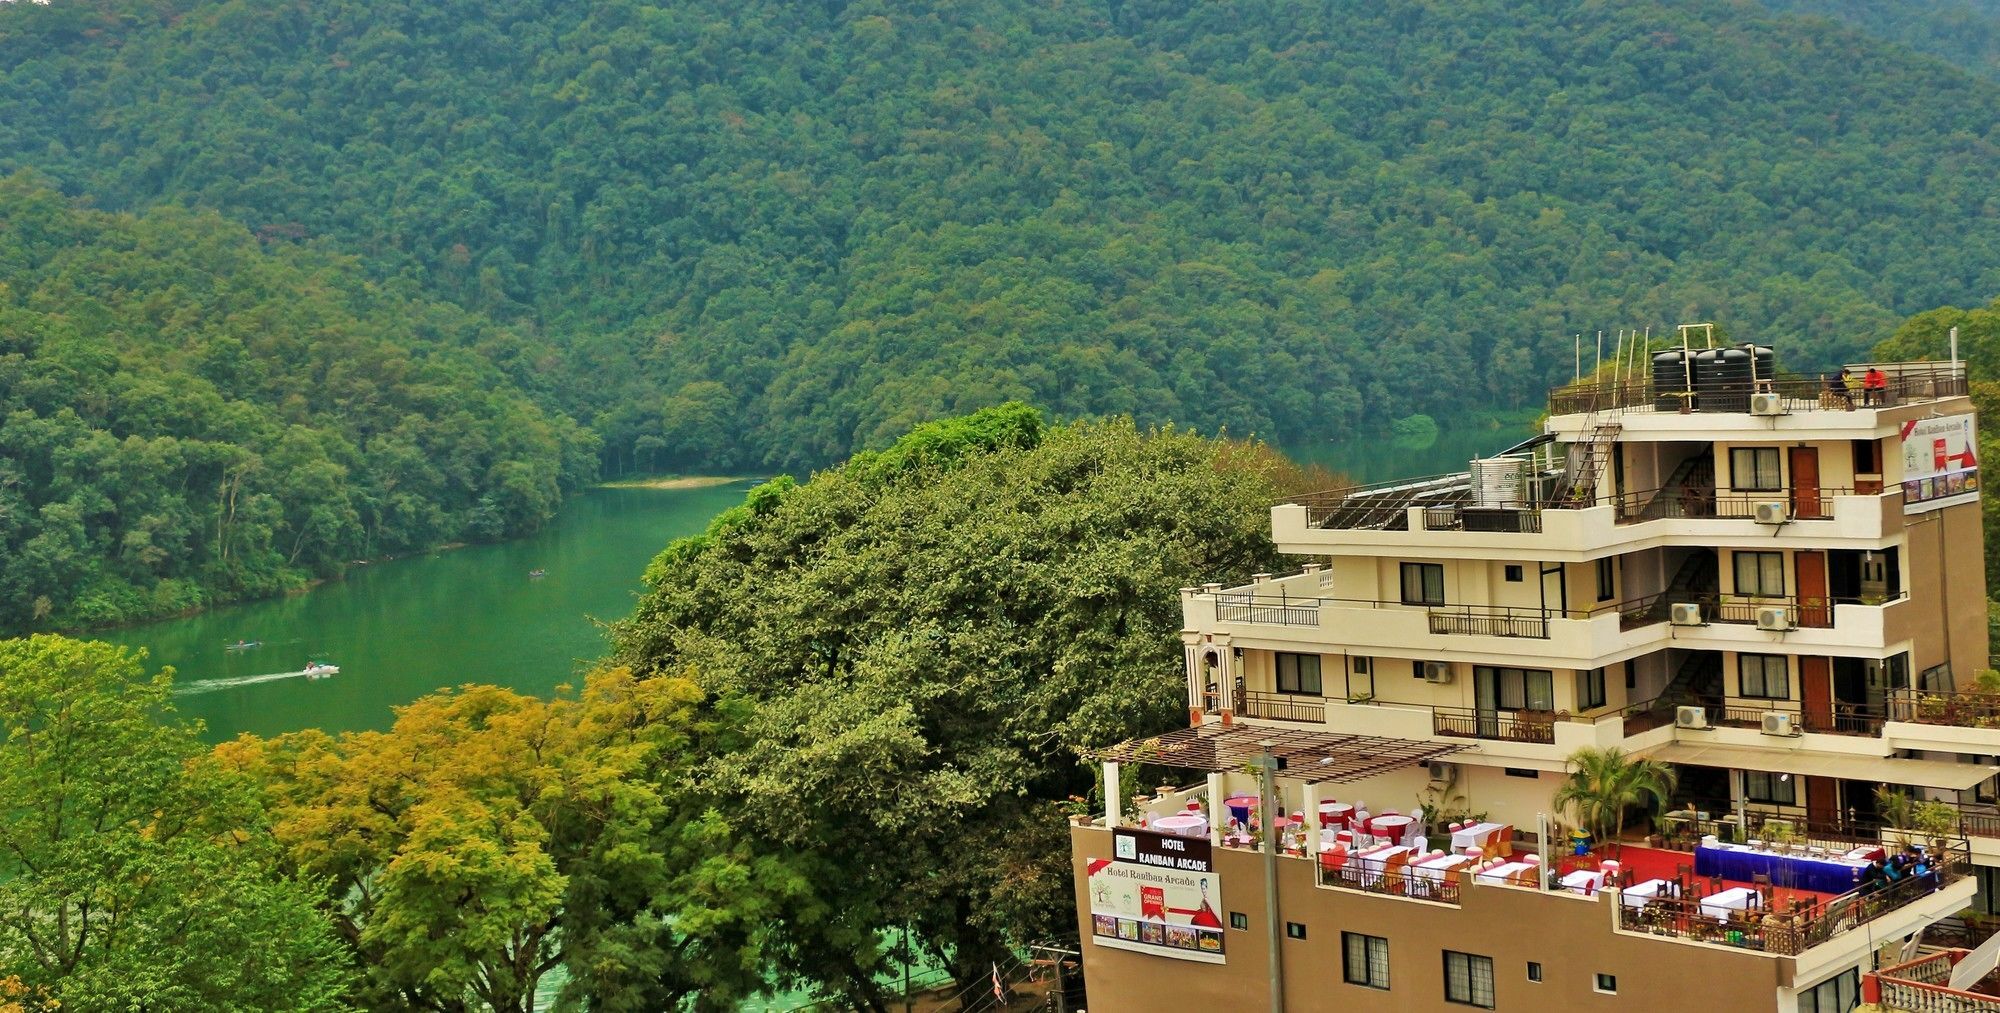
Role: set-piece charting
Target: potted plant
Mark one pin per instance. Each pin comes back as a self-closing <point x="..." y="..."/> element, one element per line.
<point x="1603" y="784"/>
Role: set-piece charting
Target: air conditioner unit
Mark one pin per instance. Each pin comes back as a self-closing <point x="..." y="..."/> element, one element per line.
<point x="1442" y="771"/>
<point x="1686" y="613"/>
<point x="1775" y="618"/>
<point x="1438" y="672"/>
<point x="1767" y="404"/>
<point x="1690" y="717"/>
<point x="1779" y="723"/>
<point x="1771" y="513"/>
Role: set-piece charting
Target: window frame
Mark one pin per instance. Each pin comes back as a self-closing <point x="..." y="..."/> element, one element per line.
<point x="1757" y="558"/>
<point x="1770" y="794"/>
<point x="1474" y="964"/>
<point x="1424" y="573"/>
<point x="1503" y="684"/>
<point x="1514" y="573"/>
<point x="1298" y="675"/>
<point x="1756" y="476"/>
<point x="1606" y="984"/>
<point x="1590" y="691"/>
<point x="1764" y="676"/>
<point x="1607" y="578"/>
<point x="1369" y="948"/>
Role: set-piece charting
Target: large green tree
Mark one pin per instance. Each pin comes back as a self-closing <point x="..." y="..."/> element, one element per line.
<point x="925" y="638"/>
<point x="135" y="872"/>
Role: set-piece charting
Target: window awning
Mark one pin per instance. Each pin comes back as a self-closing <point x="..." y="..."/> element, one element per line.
<point x="1813" y="763"/>
<point x="1313" y="757"/>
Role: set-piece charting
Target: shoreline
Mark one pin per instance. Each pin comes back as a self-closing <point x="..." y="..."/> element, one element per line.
<point x="679" y="482"/>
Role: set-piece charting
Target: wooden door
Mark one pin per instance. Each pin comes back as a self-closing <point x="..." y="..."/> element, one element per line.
<point x="1815" y="610"/>
<point x="1822" y="803"/>
<point x="1816" y="691"/>
<point x="1805" y="483"/>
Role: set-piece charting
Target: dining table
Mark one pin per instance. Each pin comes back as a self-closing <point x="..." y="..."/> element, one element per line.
<point x="1478" y="835"/>
<point x="1508" y="873"/>
<point x="1637" y="895"/>
<point x="1583" y="881"/>
<point x="1183" y="826"/>
<point x="1334" y="814"/>
<point x="1428" y="877"/>
<point x="1834" y="874"/>
<point x="1738" y="898"/>
<point x="1391" y="828"/>
<point x="1369" y="865"/>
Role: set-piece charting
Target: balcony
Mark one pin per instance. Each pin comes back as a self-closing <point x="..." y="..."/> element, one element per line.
<point x="1489" y="621"/>
<point x="1703" y="502"/>
<point x="1506" y="726"/>
<point x="1922" y="986"/>
<point x="1283" y="707"/>
<point x="1973" y="709"/>
<point x="1908" y="383"/>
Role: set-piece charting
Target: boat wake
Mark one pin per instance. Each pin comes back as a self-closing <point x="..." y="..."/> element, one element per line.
<point x="211" y="685"/>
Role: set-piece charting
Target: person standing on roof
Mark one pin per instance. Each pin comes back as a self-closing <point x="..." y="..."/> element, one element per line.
<point x="1875" y="386"/>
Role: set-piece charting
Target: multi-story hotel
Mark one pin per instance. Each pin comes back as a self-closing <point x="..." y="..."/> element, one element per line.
<point x="1773" y="584"/>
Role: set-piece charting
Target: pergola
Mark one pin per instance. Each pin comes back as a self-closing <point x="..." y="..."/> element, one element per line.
<point x="1309" y="756"/>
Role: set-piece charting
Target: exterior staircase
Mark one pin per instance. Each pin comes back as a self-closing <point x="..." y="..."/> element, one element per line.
<point x="1583" y="479"/>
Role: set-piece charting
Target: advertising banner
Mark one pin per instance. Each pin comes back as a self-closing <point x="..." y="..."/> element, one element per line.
<point x="1159" y="894"/>
<point x="1940" y="463"/>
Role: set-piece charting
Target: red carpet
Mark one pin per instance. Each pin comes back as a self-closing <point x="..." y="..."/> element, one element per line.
<point x="1642" y="863"/>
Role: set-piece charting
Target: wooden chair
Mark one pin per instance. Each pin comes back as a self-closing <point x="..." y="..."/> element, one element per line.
<point x="1761" y="882"/>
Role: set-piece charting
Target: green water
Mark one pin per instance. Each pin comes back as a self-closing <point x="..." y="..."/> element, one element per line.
<point x="403" y="628"/>
<point x="1380" y="458"/>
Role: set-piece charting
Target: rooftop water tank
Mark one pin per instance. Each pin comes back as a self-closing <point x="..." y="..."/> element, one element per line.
<point x="1497" y="482"/>
<point x="1673" y="375"/>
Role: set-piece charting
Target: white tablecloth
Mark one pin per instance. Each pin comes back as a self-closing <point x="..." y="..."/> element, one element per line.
<point x="1583" y="881"/>
<point x="1372" y="863"/>
<point x="1474" y="836"/>
<point x="1637" y="896"/>
<point x="1186" y="826"/>
<point x="1718" y="906"/>
<point x="1431" y="874"/>
<point x="1501" y="873"/>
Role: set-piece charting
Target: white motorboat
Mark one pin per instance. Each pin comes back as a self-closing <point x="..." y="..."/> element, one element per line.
<point x="317" y="670"/>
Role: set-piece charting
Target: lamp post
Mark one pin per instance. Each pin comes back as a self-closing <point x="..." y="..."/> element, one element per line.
<point x="1267" y="772"/>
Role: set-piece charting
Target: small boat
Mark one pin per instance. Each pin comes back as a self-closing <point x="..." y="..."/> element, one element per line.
<point x="243" y="645"/>
<point x="535" y="574"/>
<point x="316" y="670"/>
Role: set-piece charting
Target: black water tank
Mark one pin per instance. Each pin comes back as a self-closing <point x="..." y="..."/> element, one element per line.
<point x="1726" y="386"/>
<point x="1672" y="374"/>
<point x="1707" y="367"/>
<point x="1763" y="362"/>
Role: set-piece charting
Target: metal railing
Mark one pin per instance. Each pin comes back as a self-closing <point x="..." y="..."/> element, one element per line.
<point x="1282" y="706"/>
<point x="1960" y="709"/>
<point x="1921" y="986"/>
<point x="1701" y="502"/>
<point x="1490" y="621"/>
<point x="1906" y="382"/>
<point x="1269" y="611"/>
<point x="1504" y="725"/>
<point x="1360" y="875"/>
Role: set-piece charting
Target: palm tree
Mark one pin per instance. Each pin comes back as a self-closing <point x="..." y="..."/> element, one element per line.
<point x="1604" y="783"/>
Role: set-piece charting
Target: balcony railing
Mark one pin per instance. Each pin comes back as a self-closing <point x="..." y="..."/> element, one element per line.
<point x="1389" y="880"/>
<point x="1923" y="986"/>
<point x="1266" y="610"/>
<point x="1490" y="622"/>
<point x="1964" y="710"/>
<point x="1704" y="501"/>
<point x="1282" y="706"/>
<point x="1799" y="925"/>
<point x="1505" y="725"/>
<point x="1907" y="382"/>
<point x="1810" y="613"/>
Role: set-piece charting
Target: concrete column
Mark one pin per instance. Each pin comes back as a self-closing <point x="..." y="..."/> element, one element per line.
<point x="1218" y="814"/>
<point x="1311" y="810"/>
<point x="1113" y="806"/>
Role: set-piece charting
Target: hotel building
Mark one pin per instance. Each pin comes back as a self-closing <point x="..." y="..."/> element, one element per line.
<point x="1771" y="584"/>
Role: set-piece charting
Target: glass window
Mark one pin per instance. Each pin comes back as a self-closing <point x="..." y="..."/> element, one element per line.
<point x="1760" y="574"/>
<point x="1755" y="469"/>
<point x="1589" y="689"/>
<point x="1513" y="689"/>
<point x="1513" y="572"/>
<point x="1363" y="666"/>
<point x="1534" y="970"/>
<point x="1607" y="585"/>
<point x="1607" y="983"/>
<point x="1295" y="930"/>
<point x="1764" y="676"/>
<point x="1423" y="583"/>
<point x="1298" y="673"/>
<point x="1468" y="979"/>
<point x="1238" y="920"/>
<point x="1837" y="994"/>
<point x="1364" y="959"/>
<point x="1771" y="789"/>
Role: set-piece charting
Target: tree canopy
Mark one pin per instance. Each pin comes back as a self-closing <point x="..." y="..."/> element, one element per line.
<point x="923" y="640"/>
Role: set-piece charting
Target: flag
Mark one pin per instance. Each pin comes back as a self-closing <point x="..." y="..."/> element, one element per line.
<point x="998" y="993"/>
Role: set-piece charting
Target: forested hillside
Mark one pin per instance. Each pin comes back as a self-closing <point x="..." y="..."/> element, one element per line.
<point x="187" y="416"/>
<point x="765" y="234"/>
<point x="1965" y="32"/>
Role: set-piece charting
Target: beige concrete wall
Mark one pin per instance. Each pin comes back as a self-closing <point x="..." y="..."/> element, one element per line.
<point x="1571" y="937"/>
<point x="1945" y="571"/>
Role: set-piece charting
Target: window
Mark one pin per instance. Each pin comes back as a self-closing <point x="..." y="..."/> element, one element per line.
<point x="1755" y="469"/>
<point x="1513" y="573"/>
<point x="1238" y="920"/>
<point x="1513" y="689"/>
<point x="1608" y="984"/>
<point x="1771" y="789"/>
<point x="1295" y="930"/>
<point x="1298" y="673"/>
<point x="1764" y="676"/>
<point x="1631" y="676"/>
<point x="1468" y="979"/>
<point x="1521" y="772"/>
<point x="1362" y="666"/>
<point x="1364" y="960"/>
<point x="1534" y="971"/>
<point x="1760" y="574"/>
<point x="1423" y="583"/>
<point x="1865" y="460"/>
<point x="1837" y="994"/>
<point x="1589" y="689"/>
<point x="1607" y="583"/>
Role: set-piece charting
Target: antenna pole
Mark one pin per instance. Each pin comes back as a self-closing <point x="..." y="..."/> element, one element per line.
<point x="1579" y="358"/>
<point x="1597" y="365"/>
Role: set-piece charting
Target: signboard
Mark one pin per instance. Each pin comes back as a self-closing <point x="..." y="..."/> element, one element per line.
<point x="1159" y="894"/>
<point x="1940" y="463"/>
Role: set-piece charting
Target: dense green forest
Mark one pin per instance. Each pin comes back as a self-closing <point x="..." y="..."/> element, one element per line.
<point x="188" y="415"/>
<point x="1965" y="32"/>
<point x="754" y="234"/>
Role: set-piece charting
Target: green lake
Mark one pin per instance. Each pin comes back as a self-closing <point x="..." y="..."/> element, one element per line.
<point x="403" y="628"/>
